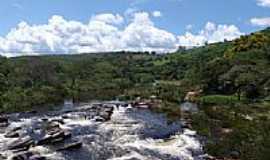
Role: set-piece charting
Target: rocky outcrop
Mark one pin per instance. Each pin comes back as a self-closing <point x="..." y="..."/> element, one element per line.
<point x="54" y="134"/>
<point x="106" y="113"/>
<point x="21" y="144"/>
<point x="49" y="130"/>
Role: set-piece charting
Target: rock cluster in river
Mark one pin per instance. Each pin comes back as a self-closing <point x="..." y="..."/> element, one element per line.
<point x="50" y="133"/>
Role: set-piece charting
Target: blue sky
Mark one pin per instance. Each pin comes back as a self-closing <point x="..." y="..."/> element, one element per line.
<point x="176" y="17"/>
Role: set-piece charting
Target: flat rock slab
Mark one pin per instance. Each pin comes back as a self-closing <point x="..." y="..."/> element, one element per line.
<point x="21" y="143"/>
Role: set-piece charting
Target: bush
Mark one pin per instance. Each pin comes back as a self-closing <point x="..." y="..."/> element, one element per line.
<point x="218" y="100"/>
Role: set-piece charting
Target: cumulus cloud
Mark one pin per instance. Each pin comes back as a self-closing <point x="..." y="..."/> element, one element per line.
<point x="156" y="13"/>
<point x="101" y="34"/>
<point x="263" y="3"/>
<point x="141" y="34"/>
<point x="262" y="22"/>
<point x="108" y="18"/>
<point x="211" y="33"/>
<point x="104" y="33"/>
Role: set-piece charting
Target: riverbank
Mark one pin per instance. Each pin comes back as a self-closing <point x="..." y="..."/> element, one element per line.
<point x="235" y="131"/>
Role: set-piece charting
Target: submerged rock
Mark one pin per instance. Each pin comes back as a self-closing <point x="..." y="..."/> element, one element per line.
<point x="22" y="156"/>
<point x="75" y="145"/>
<point x="3" y="121"/>
<point x="27" y="156"/>
<point x="105" y="115"/>
<point x="37" y="157"/>
<point x="59" y="120"/>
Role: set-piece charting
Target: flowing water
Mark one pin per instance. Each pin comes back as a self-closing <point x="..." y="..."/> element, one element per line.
<point x="130" y="134"/>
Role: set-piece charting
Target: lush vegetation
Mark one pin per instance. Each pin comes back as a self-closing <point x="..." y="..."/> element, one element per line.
<point x="234" y="77"/>
<point x="239" y="131"/>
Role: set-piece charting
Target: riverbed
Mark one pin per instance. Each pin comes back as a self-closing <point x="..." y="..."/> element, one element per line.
<point x="124" y="133"/>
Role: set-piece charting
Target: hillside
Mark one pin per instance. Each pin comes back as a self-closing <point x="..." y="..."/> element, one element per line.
<point x="237" y="71"/>
<point x="223" y="68"/>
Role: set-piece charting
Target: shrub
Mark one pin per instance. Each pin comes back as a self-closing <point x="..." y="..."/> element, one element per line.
<point x="218" y="100"/>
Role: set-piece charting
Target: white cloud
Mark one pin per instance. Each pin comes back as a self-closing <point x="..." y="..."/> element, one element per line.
<point x="189" y="27"/>
<point x="108" y="18"/>
<point x="142" y="35"/>
<point x="262" y="22"/>
<point x="211" y="33"/>
<point x="156" y="14"/>
<point x="104" y="32"/>
<point x="263" y="3"/>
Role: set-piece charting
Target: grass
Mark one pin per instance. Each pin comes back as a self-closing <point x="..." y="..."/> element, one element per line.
<point x="219" y="100"/>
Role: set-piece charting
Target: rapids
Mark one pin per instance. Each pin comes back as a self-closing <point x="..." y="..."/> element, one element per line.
<point x="130" y="134"/>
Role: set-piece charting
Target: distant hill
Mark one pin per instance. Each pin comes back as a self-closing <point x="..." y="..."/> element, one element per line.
<point x="231" y="67"/>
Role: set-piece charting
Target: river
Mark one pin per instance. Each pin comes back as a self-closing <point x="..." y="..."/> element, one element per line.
<point x="128" y="134"/>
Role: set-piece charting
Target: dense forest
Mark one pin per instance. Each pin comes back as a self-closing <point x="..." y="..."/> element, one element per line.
<point x="233" y="75"/>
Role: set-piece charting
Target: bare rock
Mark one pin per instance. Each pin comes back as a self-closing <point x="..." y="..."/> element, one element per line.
<point x="54" y="138"/>
<point x="27" y="156"/>
<point x="22" y="143"/>
<point x="12" y="135"/>
<point x="22" y="156"/>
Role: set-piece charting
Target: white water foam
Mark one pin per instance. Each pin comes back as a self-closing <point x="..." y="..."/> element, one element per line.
<point x="182" y="146"/>
<point x="124" y="133"/>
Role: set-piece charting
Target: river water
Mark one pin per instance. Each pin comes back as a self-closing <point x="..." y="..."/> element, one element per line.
<point x="130" y="134"/>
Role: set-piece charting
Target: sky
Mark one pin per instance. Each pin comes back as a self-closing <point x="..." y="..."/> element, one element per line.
<point x="31" y="27"/>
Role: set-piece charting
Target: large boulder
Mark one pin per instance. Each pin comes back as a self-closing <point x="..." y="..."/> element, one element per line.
<point x="108" y="109"/>
<point x="52" y="127"/>
<point x="105" y="115"/>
